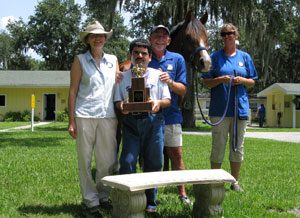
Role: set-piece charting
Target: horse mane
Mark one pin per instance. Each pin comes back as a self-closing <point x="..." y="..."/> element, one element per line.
<point x="194" y="28"/>
<point x="174" y="31"/>
<point x="197" y="31"/>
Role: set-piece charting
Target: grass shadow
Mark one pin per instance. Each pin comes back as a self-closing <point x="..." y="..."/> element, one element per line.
<point x="76" y="210"/>
<point x="35" y="140"/>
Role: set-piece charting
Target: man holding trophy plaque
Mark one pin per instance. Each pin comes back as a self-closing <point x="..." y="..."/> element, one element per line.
<point x="140" y="96"/>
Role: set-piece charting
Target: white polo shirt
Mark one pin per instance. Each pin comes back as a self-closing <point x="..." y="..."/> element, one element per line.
<point x="158" y="89"/>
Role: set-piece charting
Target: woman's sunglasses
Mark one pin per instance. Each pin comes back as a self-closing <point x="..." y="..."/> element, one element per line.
<point x="223" y="34"/>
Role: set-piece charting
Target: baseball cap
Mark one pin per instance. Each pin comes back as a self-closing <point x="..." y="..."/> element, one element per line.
<point x="158" y="27"/>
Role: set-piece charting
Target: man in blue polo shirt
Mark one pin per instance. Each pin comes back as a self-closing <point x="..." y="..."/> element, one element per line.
<point x="174" y="74"/>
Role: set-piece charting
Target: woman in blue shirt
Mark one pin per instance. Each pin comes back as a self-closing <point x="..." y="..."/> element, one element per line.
<point x="226" y="63"/>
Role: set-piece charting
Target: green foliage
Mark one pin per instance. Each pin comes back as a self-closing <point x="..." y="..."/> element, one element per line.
<point x="62" y="116"/>
<point x="118" y="44"/>
<point x="6" y="49"/>
<point x="18" y="60"/>
<point x="54" y="32"/>
<point x="13" y="116"/>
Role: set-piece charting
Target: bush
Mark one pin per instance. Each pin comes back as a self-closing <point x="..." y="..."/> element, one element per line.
<point x="62" y="116"/>
<point x="26" y="116"/>
<point x="13" y="116"/>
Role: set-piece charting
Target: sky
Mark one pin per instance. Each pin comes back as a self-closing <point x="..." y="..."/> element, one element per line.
<point x="13" y="9"/>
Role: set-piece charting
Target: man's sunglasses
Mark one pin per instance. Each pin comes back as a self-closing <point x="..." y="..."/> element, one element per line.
<point x="223" y="34"/>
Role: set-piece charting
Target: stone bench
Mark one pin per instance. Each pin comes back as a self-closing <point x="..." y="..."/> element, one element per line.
<point x="128" y="191"/>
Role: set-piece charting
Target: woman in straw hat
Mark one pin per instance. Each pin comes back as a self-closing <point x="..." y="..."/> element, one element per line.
<point x="92" y="120"/>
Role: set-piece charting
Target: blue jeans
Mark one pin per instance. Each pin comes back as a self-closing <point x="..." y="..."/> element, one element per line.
<point x="143" y="135"/>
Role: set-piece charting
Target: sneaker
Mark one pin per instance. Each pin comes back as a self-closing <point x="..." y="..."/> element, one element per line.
<point x="105" y="203"/>
<point x="236" y="187"/>
<point x="150" y="210"/>
<point x="185" y="200"/>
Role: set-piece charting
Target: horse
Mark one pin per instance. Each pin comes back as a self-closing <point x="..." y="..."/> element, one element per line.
<point x="190" y="39"/>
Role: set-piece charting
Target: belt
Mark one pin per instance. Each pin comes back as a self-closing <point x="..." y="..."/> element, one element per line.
<point x="139" y="115"/>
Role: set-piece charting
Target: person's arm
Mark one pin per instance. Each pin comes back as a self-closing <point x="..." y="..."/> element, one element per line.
<point x="119" y="74"/>
<point x="213" y="82"/>
<point x="238" y="80"/>
<point x="75" y="76"/>
<point x="158" y="104"/>
<point x="178" y="87"/>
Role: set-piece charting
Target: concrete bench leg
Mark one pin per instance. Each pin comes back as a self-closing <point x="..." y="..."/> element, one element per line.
<point x="208" y="200"/>
<point x="128" y="204"/>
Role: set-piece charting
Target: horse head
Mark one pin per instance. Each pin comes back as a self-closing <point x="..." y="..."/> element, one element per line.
<point x="190" y="38"/>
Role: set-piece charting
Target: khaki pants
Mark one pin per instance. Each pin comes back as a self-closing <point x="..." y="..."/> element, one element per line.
<point x="220" y="136"/>
<point x="96" y="136"/>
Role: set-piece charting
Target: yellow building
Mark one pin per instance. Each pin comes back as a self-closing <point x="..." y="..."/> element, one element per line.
<point x="283" y="104"/>
<point x="50" y="89"/>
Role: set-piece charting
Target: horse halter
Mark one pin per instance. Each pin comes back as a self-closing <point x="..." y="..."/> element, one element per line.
<point x="192" y="57"/>
<point x="200" y="48"/>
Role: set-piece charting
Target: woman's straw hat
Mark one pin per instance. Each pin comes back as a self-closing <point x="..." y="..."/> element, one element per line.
<point x="96" y="28"/>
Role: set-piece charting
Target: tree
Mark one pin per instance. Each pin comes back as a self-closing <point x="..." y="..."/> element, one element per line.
<point x="53" y="32"/>
<point x="6" y="50"/>
<point x="18" y="60"/>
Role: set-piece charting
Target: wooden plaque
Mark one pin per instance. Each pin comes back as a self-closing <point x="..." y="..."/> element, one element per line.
<point x="138" y="96"/>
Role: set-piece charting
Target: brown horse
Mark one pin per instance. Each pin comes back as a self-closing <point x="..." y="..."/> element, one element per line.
<point x="190" y="39"/>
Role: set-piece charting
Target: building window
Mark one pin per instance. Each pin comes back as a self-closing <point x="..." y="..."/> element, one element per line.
<point x="2" y="100"/>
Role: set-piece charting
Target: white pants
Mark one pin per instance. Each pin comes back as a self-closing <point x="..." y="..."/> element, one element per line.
<point x="96" y="135"/>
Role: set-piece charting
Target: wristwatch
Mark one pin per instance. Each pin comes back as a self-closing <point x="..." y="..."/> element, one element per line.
<point x="170" y="82"/>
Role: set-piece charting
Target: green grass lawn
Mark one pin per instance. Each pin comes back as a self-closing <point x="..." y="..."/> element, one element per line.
<point x="38" y="177"/>
<point x="8" y="125"/>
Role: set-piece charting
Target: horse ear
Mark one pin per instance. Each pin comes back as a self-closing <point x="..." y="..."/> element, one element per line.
<point x="189" y="16"/>
<point x="204" y="18"/>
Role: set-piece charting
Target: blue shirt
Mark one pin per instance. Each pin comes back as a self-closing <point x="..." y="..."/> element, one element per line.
<point x="174" y="64"/>
<point x="241" y="63"/>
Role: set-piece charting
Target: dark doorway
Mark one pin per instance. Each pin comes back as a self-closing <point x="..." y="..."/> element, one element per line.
<point x="49" y="106"/>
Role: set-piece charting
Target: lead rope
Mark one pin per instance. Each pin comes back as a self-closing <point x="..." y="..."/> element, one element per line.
<point x="235" y="129"/>
<point x="226" y="108"/>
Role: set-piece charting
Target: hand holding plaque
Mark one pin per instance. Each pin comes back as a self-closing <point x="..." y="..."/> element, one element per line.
<point x="138" y="94"/>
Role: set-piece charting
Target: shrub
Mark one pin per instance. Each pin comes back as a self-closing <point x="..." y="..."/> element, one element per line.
<point x="26" y="116"/>
<point x="12" y="116"/>
<point x="62" y="116"/>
